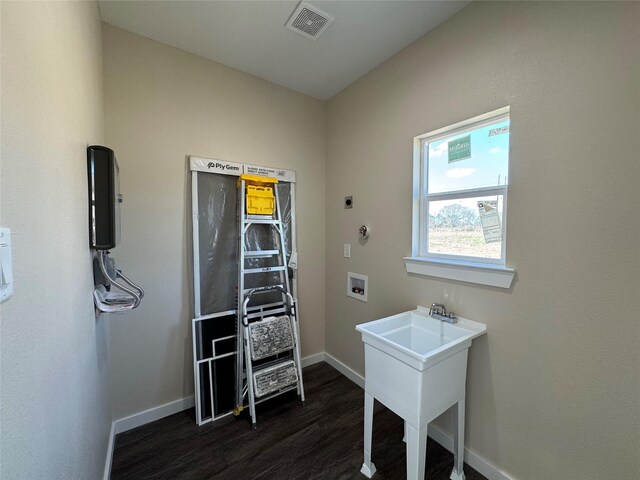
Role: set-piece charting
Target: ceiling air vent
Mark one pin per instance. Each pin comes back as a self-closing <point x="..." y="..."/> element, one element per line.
<point x="308" y="21"/>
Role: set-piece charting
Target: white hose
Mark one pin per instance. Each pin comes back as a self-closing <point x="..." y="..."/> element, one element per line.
<point x="136" y="297"/>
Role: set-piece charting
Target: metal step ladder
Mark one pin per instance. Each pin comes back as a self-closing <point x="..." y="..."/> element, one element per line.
<point x="268" y="347"/>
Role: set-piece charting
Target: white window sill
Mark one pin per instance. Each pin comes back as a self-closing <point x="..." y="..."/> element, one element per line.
<point x="480" y="273"/>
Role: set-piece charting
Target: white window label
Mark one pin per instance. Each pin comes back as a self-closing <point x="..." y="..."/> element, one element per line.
<point x="498" y="131"/>
<point x="490" y="221"/>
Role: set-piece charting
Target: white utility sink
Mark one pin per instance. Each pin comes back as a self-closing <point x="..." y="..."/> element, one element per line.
<point x="416" y="366"/>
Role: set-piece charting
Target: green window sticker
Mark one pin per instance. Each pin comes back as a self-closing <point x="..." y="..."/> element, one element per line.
<point x="459" y="149"/>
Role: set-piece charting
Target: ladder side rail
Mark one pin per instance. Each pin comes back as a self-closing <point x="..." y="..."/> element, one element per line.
<point x="294" y="294"/>
<point x="252" y="400"/>
<point x="296" y="347"/>
<point x="249" y="366"/>
<point x="294" y="239"/>
<point x="240" y="301"/>
<point x="284" y="275"/>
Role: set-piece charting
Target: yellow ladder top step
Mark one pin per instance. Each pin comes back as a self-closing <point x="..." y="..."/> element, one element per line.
<point x="256" y="179"/>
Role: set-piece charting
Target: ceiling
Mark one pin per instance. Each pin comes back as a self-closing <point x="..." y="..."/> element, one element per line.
<point x="250" y="35"/>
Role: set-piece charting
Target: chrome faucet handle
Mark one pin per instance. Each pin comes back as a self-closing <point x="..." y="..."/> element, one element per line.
<point x="438" y="309"/>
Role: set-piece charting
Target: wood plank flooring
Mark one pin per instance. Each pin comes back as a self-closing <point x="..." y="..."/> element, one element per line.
<point x="322" y="440"/>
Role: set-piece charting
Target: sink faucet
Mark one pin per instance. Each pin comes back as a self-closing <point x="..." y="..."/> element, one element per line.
<point x="439" y="311"/>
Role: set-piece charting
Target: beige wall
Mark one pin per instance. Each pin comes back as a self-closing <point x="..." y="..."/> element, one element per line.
<point x="553" y="389"/>
<point x="55" y="408"/>
<point x="163" y="104"/>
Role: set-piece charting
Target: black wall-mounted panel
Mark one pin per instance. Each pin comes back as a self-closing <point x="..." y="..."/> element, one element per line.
<point x="104" y="198"/>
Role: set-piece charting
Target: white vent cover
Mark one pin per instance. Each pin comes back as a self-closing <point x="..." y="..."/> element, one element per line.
<point x="308" y="21"/>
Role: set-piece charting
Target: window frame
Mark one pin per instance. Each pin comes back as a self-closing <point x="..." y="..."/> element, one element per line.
<point x="421" y="200"/>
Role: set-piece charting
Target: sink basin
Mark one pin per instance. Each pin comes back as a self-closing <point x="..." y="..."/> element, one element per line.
<point x="416" y="366"/>
<point x="419" y="340"/>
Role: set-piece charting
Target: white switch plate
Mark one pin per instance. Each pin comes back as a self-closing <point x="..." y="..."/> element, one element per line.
<point x="347" y="250"/>
<point x="6" y="268"/>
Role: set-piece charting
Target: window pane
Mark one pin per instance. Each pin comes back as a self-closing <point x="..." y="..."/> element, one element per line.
<point x="473" y="159"/>
<point x="471" y="227"/>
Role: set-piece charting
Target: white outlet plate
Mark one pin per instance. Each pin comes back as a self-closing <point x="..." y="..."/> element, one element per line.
<point x="347" y="250"/>
<point x="6" y="267"/>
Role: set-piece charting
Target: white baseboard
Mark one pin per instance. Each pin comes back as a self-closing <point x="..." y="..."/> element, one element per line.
<point x="153" y="414"/>
<point x="109" y="460"/>
<point x="352" y="375"/>
<point x="473" y="459"/>
<point x="311" y="359"/>
<point x="161" y="411"/>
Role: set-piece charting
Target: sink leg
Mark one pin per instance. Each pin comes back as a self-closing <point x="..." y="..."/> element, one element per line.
<point x="416" y="451"/>
<point x="458" y="443"/>
<point x="368" y="468"/>
<point x="404" y="439"/>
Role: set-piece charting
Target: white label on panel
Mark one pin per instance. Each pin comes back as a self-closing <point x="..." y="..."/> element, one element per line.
<point x="215" y="166"/>
<point x="279" y="173"/>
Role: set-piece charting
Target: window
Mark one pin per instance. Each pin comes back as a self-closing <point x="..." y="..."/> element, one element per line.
<point x="461" y="175"/>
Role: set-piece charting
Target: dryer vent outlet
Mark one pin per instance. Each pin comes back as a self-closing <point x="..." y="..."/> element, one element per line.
<point x="348" y="202"/>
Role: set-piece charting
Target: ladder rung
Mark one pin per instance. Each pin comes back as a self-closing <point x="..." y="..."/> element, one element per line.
<point x="261" y="253"/>
<point x="253" y="308"/>
<point x="247" y="290"/>
<point x="258" y="217"/>
<point x="279" y="268"/>
<point x="275" y="394"/>
<point x="266" y="313"/>
<point x="268" y="221"/>
<point x="275" y="363"/>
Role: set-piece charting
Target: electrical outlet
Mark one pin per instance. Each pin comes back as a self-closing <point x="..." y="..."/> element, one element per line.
<point x="6" y="270"/>
<point x="347" y="250"/>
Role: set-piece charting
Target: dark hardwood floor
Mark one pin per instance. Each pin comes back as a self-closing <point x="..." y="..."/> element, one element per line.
<point x="322" y="440"/>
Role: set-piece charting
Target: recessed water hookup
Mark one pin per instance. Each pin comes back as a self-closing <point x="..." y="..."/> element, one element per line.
<point x="364" y="231"/>
<point x="357" y="286"/>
